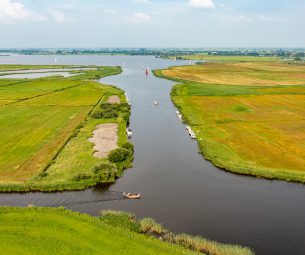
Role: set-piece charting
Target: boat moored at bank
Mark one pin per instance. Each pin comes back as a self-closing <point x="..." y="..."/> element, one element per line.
<point x="191" y="132"/>
<point x="129" y="132"/>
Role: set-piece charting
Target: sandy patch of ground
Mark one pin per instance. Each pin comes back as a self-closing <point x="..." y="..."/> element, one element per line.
<point x="105" y="139"/>
<point x="114" y="100"/>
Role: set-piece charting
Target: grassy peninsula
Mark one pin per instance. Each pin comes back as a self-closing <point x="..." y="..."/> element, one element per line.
<point x="45" y="127"/>
<point x="248" y="116"/>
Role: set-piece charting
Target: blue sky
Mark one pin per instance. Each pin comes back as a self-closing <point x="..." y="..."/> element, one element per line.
<point x="152" y="23"/>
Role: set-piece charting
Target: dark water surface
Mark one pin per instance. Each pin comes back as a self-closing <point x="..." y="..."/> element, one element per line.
<point x="180" y="188"/>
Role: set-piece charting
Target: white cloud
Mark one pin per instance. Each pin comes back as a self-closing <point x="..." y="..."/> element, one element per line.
<point x="58" y="16"/>
<point x="202" y="4"/>
<point x="141" y="1"/>
<point x="16" y="11"/>
<point x="139" y="18"/>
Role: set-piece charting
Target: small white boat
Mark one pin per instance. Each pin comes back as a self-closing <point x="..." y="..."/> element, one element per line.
<point x="179" y="115"/>
<point x="129" y="132"/>
<point x="191" y="132"/>
<point x="127" y="98"/>
<point x="192" y="135"/>
<point x="156" y="102"/>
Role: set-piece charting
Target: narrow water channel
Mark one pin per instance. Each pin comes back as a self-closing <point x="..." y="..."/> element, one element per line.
<point x="180" y="188"/>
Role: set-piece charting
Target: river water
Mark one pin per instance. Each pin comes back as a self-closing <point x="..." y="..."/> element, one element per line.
<point x="179" y="187"/>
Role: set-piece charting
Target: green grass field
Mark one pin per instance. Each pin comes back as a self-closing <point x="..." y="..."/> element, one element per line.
<point x="38" y="117"/>
<point x="36" y="230"/>
<point x="249" y="117"/>
<point x="57" y="231"/>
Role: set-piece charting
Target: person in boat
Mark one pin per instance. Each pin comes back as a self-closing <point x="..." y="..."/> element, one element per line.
<point x="131" y="196"/>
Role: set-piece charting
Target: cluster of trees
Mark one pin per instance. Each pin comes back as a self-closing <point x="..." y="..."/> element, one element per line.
<point x="110" y="111"/>
<point x="108" y="171"/>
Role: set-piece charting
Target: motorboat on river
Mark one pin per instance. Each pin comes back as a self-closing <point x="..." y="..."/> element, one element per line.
<point x="131" y="196"/>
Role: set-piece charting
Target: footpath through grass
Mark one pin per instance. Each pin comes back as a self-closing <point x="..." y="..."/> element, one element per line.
<point x="36" y="230"/>
<point x="40" y="117"/>
<point x="249" y="117"/>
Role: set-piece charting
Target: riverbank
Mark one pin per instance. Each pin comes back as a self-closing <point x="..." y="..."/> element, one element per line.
<point x="37" y="230"/>
<point x="51" y="152"/>
<point x="247" y="116"/>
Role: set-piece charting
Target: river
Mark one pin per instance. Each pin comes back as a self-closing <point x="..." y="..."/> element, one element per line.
<point x="179" y="187"/>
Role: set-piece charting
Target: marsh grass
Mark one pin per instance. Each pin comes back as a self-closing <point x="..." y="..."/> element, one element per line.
<point x="150" y="227"/>
<point x="207" y="246"/>
<point x="121" y="219"/>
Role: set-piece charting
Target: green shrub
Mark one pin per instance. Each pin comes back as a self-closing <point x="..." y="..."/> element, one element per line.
<point x="128" y="146"/>
<point x="105" y="172"/>
<point x="119" y="155"/>
<point x="105" y="106"/>
<point x="104" y="166"/>
<point x="105" y="177"/>
<point x="109" y="111"/>
<point x="126" y="117"/>
<point x="109" y="114"/>
<point x="81" y="176"/>
<point x="96" y="114"/>
<point x="124" y="107"/>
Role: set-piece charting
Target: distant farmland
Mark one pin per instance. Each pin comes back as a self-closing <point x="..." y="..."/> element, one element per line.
<point x="250" y="117"/>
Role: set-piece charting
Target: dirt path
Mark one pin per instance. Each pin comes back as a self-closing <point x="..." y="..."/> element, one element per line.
<point x="105" y="138"/>
<point x="114" y="100"/>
